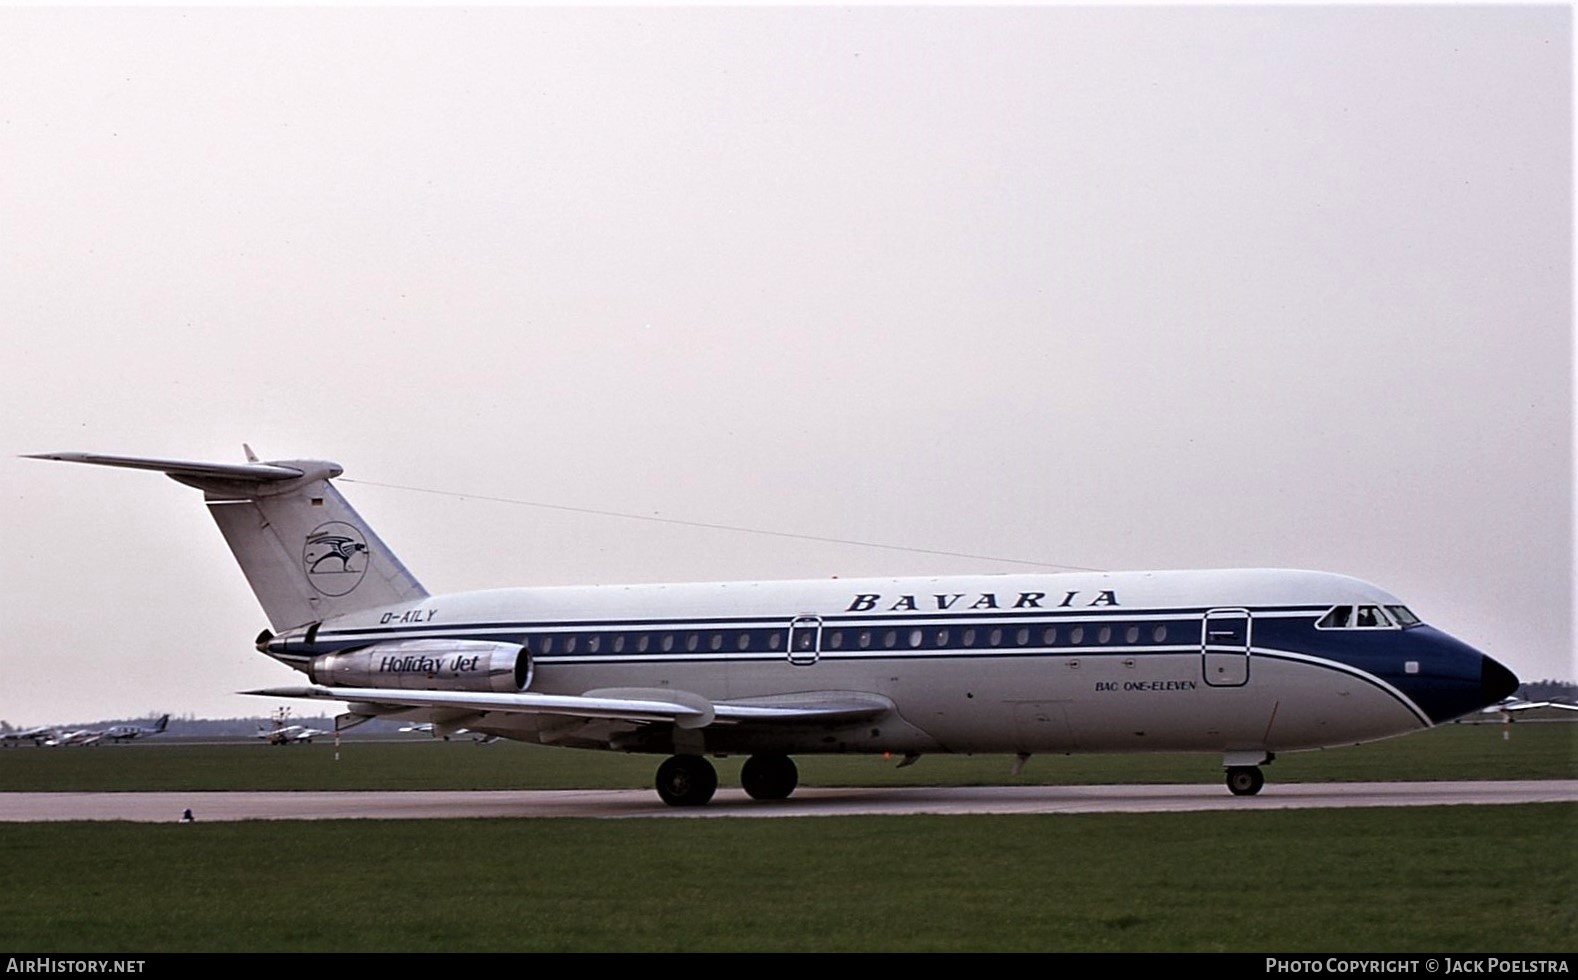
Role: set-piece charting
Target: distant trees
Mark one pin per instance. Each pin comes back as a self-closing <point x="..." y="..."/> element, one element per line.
<point x="1548" y="690"/>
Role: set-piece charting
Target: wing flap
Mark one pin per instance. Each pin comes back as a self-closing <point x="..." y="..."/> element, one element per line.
<point x="825" y="707"/>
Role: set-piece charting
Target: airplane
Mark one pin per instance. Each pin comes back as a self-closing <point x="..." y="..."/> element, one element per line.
<point x="35" y="735"/>
<point x="127" y="733"/>
<point x="426" y="728"/>
<point x="283" y="734"/>
<point x="290" y="734"/>
<point x="1509" y="708"/>
<point x="80" y="736"/>
<point x="1248" y="663"/>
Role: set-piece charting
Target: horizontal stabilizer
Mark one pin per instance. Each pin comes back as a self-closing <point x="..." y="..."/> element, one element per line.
<point x="306" y="553"/>
<point x="267" y="472"/>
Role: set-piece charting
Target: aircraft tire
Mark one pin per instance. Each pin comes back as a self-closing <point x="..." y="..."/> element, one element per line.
<point x="1245" y="780"/>
<point x="769" y="777"/>
<point x="686" y="780"/>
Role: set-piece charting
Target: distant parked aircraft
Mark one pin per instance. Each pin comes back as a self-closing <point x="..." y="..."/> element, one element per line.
<point x="1510" y="708"/>
<point x="35" y="735"/>
<point x="127" y="733"/>
<point x="285" y="734"/>
<point x="81" y="736"/>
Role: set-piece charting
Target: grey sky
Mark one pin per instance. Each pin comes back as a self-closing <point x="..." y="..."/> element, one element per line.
<point x="1135" y="288"/>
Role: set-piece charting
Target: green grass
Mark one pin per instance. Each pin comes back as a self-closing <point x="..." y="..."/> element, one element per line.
<point x="1534" y="751"/>
<point x="1439" y="879"/>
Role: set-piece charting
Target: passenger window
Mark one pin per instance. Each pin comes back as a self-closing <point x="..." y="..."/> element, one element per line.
<point x="569" y="644"/>
<point x="1023" y="636"/>
<point x="865" y="639"/>
<point x="942" y="638"/>
<point x="774" y="639"/>
<point x="915" y="638"/>
<point x="547" y="644"/>
<point x="1159" y="634"/>
<point x="835" y="639"/>
<point x="969" y="637"/>
<point x="692" y="642"/>
<point x="1076" y="635"/>
<point x="743" y="641"/>
<point x="594" y="643"/>
<point x="619" y="643"/>
<point x="890" y="639"/>
<point x="715" y="642"/>
<point x="1104" y="635"/>
<point x="995" y="637"/>
<point x="1132" y="634"/>
<point x="668" y="642"/>
<point x="643" y="643"/>
<point x="1049" y="635"/>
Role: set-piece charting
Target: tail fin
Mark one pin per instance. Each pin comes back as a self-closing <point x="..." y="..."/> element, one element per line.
<point x="164" y="722"/>
<point x="306" y="552"/>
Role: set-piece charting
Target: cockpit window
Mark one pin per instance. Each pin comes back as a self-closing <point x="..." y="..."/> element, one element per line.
<point x="1364" y="618"/>
<point x="1371" y="617"/>
<point x="1404" y="617"/>
<point x="1337" y="619"/>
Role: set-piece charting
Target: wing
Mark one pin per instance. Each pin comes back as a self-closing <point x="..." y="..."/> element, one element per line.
<point x="637" y="705"/>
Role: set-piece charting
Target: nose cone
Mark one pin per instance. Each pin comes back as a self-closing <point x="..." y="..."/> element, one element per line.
<point x="1447" y="678"/>
<point x="1495" y="681"/>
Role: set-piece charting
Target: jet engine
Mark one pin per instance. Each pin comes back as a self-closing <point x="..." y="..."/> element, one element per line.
<point x="428" y="665"/>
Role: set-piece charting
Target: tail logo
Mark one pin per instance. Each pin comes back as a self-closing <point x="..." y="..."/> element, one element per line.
<point x="335" y="558"/>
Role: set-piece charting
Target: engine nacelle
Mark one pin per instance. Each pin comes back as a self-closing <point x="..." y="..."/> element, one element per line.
<point x="430" y="665"/>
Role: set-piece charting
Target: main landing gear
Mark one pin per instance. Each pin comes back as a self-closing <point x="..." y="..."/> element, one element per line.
<point x="690" y="780"/>
<point x="1245" y="780"/>
<point x="686" y="780"/>
<point x="769" y="777"/>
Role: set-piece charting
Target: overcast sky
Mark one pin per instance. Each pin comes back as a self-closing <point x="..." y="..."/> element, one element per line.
<point x="1148" y="288"/>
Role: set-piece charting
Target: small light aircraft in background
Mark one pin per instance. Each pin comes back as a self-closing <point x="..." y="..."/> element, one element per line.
<point x="128" y="733"/>
<point x="426" y="728"/>
<point x="1247" y="663"/>
<point x="35" y="735"/>
<point x="80" y="736"/>
<point x="1510" y="708"/>
<point x="282" y="733"/>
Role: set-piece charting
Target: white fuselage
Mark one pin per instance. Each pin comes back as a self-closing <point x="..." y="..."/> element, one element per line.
<point x="1228" y="661"/>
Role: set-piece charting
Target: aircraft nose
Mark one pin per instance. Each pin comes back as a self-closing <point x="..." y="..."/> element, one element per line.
<point x="1496" y="681"/>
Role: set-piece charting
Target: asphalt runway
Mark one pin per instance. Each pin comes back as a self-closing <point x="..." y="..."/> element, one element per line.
<point x="627" y="803"/>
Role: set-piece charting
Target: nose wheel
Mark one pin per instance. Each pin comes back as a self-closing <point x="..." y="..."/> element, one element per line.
<point x="1245" y="780"/>
<point x="686" y="780"/>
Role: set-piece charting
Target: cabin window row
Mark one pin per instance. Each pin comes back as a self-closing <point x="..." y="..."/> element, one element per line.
<point x="839" y="638"/>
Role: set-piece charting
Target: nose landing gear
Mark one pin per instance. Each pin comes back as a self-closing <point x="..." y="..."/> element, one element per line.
<point x="1245" y="780"/>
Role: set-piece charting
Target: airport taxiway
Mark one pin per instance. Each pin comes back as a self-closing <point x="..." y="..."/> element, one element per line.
<point x="165" y="807"/>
